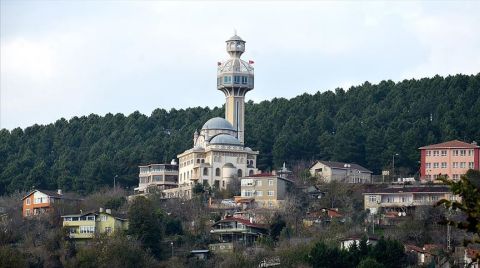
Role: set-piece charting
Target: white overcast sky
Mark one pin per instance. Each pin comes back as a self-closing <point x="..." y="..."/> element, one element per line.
<point x="74" y="58"/>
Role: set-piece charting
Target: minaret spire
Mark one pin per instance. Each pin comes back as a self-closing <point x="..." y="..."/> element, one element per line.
<point x="235" y="78"/>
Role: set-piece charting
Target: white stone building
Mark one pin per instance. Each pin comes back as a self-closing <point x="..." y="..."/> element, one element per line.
<point x="219" y="154"/>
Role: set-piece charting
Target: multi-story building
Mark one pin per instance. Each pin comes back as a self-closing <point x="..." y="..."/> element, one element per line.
<point x="403" y="199"/>
<point x="219" y="154"/>
<point x="158" y="177"/>
<point x="87" y="225"/>
<point x="232" y="231"/>
<point x="338" y="171"/>
<point x="451" y="158"/>
<point x="41" y="201"/>
<point x="268" y="190"/>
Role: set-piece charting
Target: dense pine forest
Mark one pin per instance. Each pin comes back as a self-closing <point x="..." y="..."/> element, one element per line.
<point x="366" y="124"/>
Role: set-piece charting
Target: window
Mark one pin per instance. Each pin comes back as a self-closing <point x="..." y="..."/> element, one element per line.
<point x="429" y="153"/>
<point x="250" y="173"/>
<point x="90" y="218"/>
<point x="217" y="172"/>
<point x="435" y="153"/>
<point x="227" y="79"/>
<point x="455" y="152"/>
<point x="244" y="80"/>
<point x="463" y="152"/>
<point x="236" y="79"/>
<point x="103" y="218"/>
<point x="470" y="152"/>
<point x="404" y="199"/>
<point x="455" y="176"/>
<point x="462" y="164"/>
<point x="198" y="160"/>
<point x="372" y="198"/>
<point x="28" y="201"/>
<point x="259" y="193"/>
<point x="259" y="182"/>
<point x="72" y="230"/>
<point x="87" y="229"/>
<point x="108" y="230"/>
<point x="270" y="182"/>
<point x="470" y="165"/>
<point x="27" y="212"/>
<point x="455" y="164"/>
<point x="444" y="152"/>
<point x="271" y="193"/>
<point x="247" y="193"/>
<point x="239" y="173"/>
<point x="205" y="171"/>
<point x="444" y="164"/>
<point x="435" y="165"/>
<point x="428" y="165"/>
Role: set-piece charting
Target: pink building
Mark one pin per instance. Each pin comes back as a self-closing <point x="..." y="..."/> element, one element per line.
<point x="451" y="158"/>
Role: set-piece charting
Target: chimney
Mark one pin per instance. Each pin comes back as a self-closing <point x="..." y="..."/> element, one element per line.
<point x="174" y="162"/>
<point x="108" y="211"/>
<point x="251" y="219"/>
<point x="100" y="210"/>
<point x="59" y="191"/>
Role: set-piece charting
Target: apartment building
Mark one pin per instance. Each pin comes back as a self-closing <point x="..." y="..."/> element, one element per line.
<point x="157" y="176"/>
<point x="268" y="190"/>
<point x="339" y="171"/>
<point x="87" y="225"/>
<point x="402" y="199"/>
<point x="41" y="201"/>
<point x="451" y="158"/>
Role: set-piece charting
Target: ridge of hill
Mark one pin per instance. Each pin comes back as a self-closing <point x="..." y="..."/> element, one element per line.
<point x="366" y="125"/>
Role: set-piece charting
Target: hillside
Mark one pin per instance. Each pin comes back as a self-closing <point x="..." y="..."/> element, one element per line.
<point x="366" y="124"/>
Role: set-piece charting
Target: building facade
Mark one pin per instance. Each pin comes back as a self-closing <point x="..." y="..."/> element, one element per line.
<point x="157" y="177"/>
<point x="219" y="154"/>
<point x="268" y="190"/>
<point x="232" y="231"/>
<point x="87" y="225"/>
<point x="338" y="171"/>
<point x="451" y="158"/>
<point x="402" y="199"/>
<point x="38" y="202"/>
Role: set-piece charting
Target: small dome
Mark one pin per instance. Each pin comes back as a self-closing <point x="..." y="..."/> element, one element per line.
<point x="248" y="149"/>
<point x="225" y="139"/>
<point x="235" y="38"/>
<point x="218" y="123"/>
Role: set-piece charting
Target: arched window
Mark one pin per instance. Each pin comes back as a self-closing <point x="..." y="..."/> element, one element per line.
<point x="250" y="173"/>
<point x="239" y="173"/>
<point x="217" y="172"/>
<point x="205" y="171"/>
<point x="198" y="160"/>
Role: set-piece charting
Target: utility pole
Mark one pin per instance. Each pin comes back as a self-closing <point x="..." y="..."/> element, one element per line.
<point x="393" y="166"/>
<point x="114" y="181"/>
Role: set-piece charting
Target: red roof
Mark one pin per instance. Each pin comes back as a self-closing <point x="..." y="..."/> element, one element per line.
<point x="451" y="144"/>
<point x="242" y="221"/>
<point x="263" y="175"/>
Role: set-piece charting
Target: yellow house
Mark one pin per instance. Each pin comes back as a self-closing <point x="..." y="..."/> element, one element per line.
<point x="87" y="225"/>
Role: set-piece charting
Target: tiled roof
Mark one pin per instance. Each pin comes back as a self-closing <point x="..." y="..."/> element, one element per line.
<point x="242" y="221"/>
<point x="414" y="189"/>
<point x="451" y="144"/>
<point x="263" y="175"/>
<point x="341" y="165"/>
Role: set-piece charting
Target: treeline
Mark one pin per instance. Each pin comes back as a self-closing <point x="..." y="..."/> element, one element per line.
<point x="366" y="124"/>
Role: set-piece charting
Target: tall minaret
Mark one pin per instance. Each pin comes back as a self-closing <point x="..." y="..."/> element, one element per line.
<point x="235" y="79"/>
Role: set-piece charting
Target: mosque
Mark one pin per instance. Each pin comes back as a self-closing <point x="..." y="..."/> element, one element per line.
<point x="219" y="155"/>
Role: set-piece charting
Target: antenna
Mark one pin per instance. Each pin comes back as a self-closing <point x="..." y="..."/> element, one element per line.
<point x="234" y="31"/>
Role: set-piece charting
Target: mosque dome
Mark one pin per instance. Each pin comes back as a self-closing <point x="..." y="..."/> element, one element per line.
<point x="225" y="139"/>
<point x="218" y="123"/>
